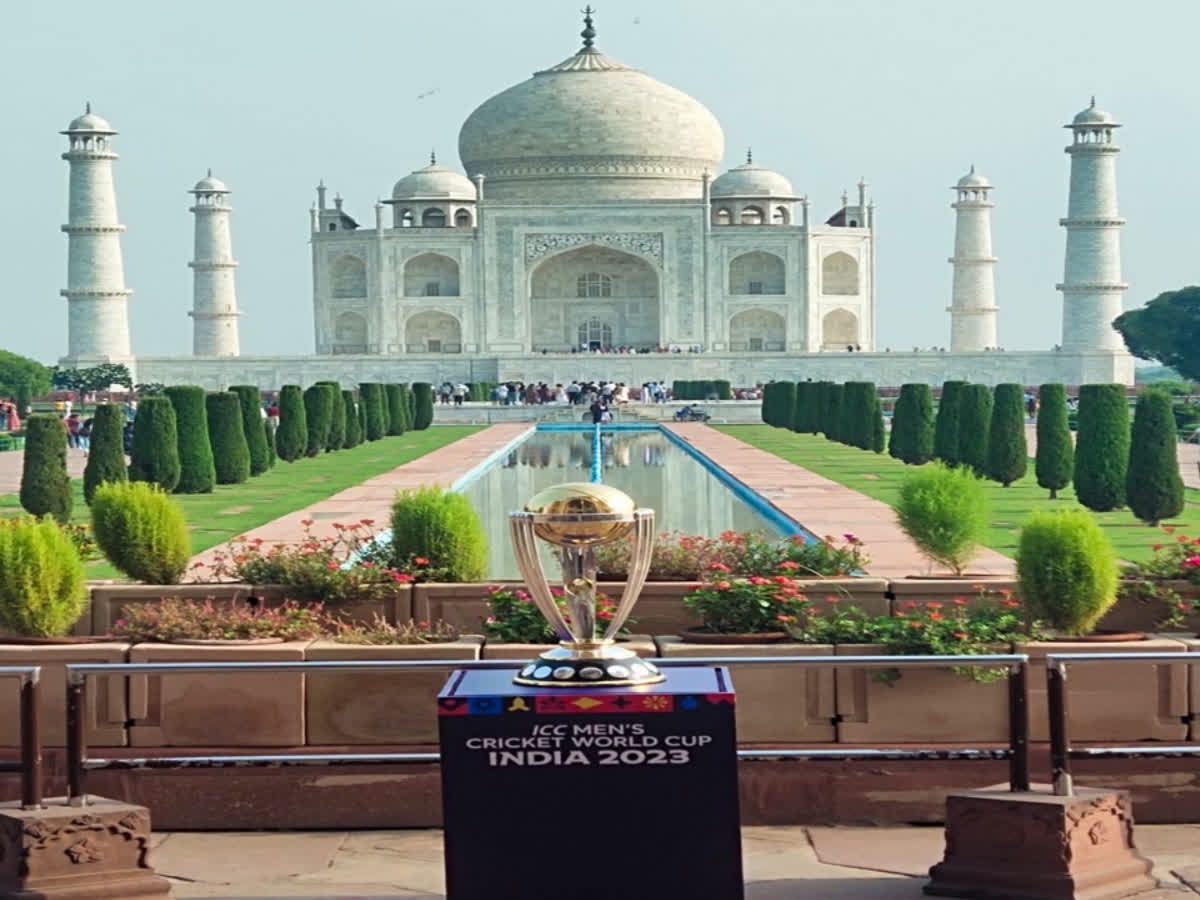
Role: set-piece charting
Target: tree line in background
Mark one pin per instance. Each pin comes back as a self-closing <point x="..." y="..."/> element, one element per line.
<point x="187" y="440"/>
<point x="1112" y="463"/>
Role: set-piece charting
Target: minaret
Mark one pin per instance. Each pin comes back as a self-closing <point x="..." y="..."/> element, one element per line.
<point x="973" y="299"/>
<point x="214" y="299"/>
<point x="97" y="299"/>
<point x="1092" y="286"/>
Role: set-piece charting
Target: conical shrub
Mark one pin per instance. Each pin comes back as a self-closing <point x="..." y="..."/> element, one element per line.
<point x="1055" y="461"/>
<point x="155" y="456"/>
<point x="422" y="405"/>
<point x="833" y="415"/>
<point x="912" y="425"/>
<point x="353" y="425"/>
<point x="372" y="400"/>
<point x="45" y="484"/>
<point x="397" y="420"/>
<point x="106" y="455"/>
<point x="291" y="437"/>
<point x="197" y="471"/>
<point x="442" y="527"/>
<point x="337" y="418"/>
<point x="141" y="531"/>
<point x="878" y="430"/>
<point x="269" y="437"/>
<point x="974" y="424"/>
<point x="250" y="399"/>
<point x="1008" y="454"/>
<point x="406" y="407"/>
<point x="318" y="416"/>
<point x="1102" y="447"/>
<point x="946" y="425"/>
<point x="227" y="435"/>
<point x="1153" y="485"/>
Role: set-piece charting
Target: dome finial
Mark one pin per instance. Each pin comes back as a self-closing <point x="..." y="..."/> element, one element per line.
<point x="210" y="172"/>
<point x="749" y="156"/>
<point x="1093" y="103"/>
<point x="433" y="157"/>
<point x="972" y="168"/>
<point x="589" y="33"/>
<point x="87" y="107"/>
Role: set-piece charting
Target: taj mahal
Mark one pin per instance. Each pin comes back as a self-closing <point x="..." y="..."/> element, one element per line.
<point x="592" y="234"/>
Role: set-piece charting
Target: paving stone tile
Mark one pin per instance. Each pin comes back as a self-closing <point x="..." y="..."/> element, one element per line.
<point x="904" y="851"/>
<point x="229" y="858"/>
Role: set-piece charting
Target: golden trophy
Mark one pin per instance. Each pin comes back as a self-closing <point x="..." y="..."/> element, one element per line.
<point x="575" y="518"/>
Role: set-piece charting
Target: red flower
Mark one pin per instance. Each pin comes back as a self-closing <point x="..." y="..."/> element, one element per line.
<point x="961" y="635"/>
<point x="307" y="523"/>
<point x="723" y="585"/>
<point x="915" y="624"/>
<point x="1156" y="547"/>
<point x="1011" y="604"/>
<point x="933" y="604"/>
<point x="331" y="565"/>
<point x="785" y="618"/>
<point x="850" y="538"/>
<point x="936" y="616"/>
<point x="758" y="579"/>
<point x="402" y="577"/>
<point x="420" y="561"/>
<point x="719" y="567"/>
<point x="910" y="604"/>
<point x="833" y="598"/>
<point x="1192" y="562"/>
<point x="960" y="601"/>
<point x="367" y="522"/>
<point x="789" y="565"/>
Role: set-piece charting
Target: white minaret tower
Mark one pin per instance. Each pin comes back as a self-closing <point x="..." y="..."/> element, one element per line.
<point x="214" y="299"/>
<point x="97" y="299"/>
<point x="973" y="301"/>
<point x="1092" y="285"/>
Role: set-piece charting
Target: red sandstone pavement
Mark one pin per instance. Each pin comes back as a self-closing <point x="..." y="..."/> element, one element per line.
<point x="372" y="499"/>
<point x="12" y="462"/>
<point x="825" y="507"/>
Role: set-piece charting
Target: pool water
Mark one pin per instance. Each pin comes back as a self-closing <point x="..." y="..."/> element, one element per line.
<point x="650" y="467"/>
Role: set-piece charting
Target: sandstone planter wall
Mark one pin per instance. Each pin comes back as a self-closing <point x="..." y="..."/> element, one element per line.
<point x="659" y="608"/>
<point x="868" y="594"/>
<point x="460" y="605"/>
<point x="216" y="710"/>
<point x="922" y="706"/>
<point x="1125" y="702"/>
<point x="106" y="706"/>
<point x="384" y="708"/>
<point x="1134" y="611"/>
<point x="780" y="704"/>
<point x="944" y="590"/>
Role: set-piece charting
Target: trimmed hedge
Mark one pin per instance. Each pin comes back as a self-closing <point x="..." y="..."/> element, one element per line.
<point x="1055" y="461"/>
<point x="371" y="397"/>
<point x="442" y="527"/>
<point x="805" y="419"/>
<point x="337" y="418"/>
<point x="318" y="417"/>
<point x="1153" y="485"/>
<point x="422" y="405"/>
<point x="857" y="425"/>
<point x="197" y="471"/>
<point x="406" y="406"/>
<point x="142" y="531"/>
<point x="946" y="425"/>
<point x="724" y="389"/>
<point x="1102" y="447"/>
<point x="833" y="416"/>
<point x="779" y="403"/>
<point x="106" y="454"/>
<point x="227" y="436"/>
<point x="974" y="425"/>
<point x="397" y="412"/>
<point x="269" y="437"/>
<point x="291" y="437"/>
<point x="155" y="456"/>
<point x="353" y="425"/>
<point x="1008" y="454"/>
<point x="912" y="425"/>
<point x="878" y="430"/>
<point x="250" y="399"/>
<point x="45" y="484"/>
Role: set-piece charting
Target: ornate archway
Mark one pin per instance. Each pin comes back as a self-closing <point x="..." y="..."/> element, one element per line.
<point x="757" y="331"/>
<point x="432" y="331"/>
<point x="839" y="330"/>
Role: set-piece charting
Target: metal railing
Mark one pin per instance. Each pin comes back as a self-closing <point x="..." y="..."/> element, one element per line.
<point x="1061" y="752"/>
<point x="78" y="763"/>
<point x="30" y="764"/>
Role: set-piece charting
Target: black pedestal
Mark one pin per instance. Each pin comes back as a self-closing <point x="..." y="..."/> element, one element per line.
<point x="617" y="793"/>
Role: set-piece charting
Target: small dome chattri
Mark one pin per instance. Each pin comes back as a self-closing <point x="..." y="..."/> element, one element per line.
<point x="89" y="122"/>
<point x="434" y="182"/>
<point x="210" y="185"/>
<point x="749" y="180"/>
<point x="973" y="180"/>
<point x="1094" y="116"/>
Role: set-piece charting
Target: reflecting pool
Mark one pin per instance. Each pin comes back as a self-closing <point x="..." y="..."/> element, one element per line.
<point x="647" y="465"/>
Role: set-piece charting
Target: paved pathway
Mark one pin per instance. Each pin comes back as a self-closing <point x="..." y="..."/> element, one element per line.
<point x="825" y="507"/>
<point x="372" y="499"/>
<point x="11" y="463"/>
<point x="780" y="863"/>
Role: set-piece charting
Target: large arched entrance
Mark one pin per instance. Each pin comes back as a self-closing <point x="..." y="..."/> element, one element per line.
<point x="758" y="331"/>
<point x="594" y="298"/>
<point x="433" y="332"/>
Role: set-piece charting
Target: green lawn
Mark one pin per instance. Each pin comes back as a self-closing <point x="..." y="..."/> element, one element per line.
<point x="878" y="476"/>
<point x="234" y="509"/>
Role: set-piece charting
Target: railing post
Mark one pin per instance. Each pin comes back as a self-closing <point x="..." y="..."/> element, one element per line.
<point x="1018" y="727"/>
<point x="1060" y="742"/>
<point x="76" y="703"/>
<point x="31" y="743"/>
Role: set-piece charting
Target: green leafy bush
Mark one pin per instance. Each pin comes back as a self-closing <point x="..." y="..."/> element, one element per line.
<point x="397" y="414"/>
<point x="227" y="437"/>
<point x="353" y="423"/>
<point x="43" y="591"/>
<point x="974" y="426"/>
<point x="946" y="427"/>
<point x="911" y="439"/>
<point x="155" y="456"/>
<point x="291" y="437"/>
<point x="1067" y="570"/>
<point x="1102" y="447"/>
<point x="106" y="454"/>
<point x="753" y="605"/>
<point x="945" y="512"/>
<point x="141" y="531"/>
<point x="372" y="400"/>
<point x="442" y="527"/>
<point x="250" y="400"/>
<point x="1008" y="454"/>
<point x="318" y="417"/>
<point x="197" y="471"/>
<point x="1153" y="485"/>
<point x="1055" y="461"/>
<point x="45" y="485"/>
<point x="337" y="418"/>
<point x="381" y="632"/>
<point x="422" y="405"/>
<point x="173" y="619"/>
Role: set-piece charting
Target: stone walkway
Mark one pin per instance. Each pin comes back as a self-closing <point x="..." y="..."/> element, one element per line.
<point x="12" y="462"/>
<point x="780" y="863"/>
<point x="372" y="499"/>
<point x="825" y="507"/>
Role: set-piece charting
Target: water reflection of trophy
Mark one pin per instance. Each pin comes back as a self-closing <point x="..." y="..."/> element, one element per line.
<point x="575" y="518"/>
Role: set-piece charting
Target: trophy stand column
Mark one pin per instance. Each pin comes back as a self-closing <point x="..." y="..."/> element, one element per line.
<point x="590" y="794"/>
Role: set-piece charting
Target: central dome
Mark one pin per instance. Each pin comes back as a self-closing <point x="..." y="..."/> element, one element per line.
<point x="591" y="128"/>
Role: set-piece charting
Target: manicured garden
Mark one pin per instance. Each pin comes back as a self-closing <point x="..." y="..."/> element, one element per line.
<point x="879" y="476"/>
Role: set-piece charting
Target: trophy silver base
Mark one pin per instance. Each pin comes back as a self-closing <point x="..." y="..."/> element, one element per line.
<point x="596" y="665"/>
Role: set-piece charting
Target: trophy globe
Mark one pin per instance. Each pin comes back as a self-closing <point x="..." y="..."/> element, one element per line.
<point x="575" y="518"/>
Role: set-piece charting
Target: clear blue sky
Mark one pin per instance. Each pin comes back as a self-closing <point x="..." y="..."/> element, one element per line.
<point x="276" y="95"/>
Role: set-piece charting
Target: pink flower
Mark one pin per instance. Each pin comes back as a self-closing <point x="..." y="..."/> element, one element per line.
<point x="402" y="577"/>
<point x="331" y="566"/>
<point x="723" y="585"/>
<point x="758" y="579"/>
<point x="1192" y="562"/>
<point x="420" y="561"/>
<point x="719" y="567"/>
<point x="850" y="538"/>
<point x="789" y="565"/>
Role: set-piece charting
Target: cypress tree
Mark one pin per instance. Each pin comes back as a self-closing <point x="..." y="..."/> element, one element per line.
<point x="337" y="419"/>
<point x="784" y="403"/>
<point x="412" y="406"/>
<point x="45" y="484"/>
<point x="878" y="431"/>
<point x="397" y="420"/>
<point x="353" y="428"/>
<point x="371" y="400"/>
<point x="291" y="437"/>
<point x="106" y="456"/>
<point x="974" y="423"/>
<point x="155" y="456"/>
<point x="1008" y="454"/>
<point x="362" y="419"/>
<point x="385" y="411"/>
<point x="833" y="415"/>
<point x="227" y="436"/>
<point x="252" y="418"/>
<point x="912" y="425"/>
<point x="820" y="406"/>
<point x="857" y="427"/>
<point x="422" y="405"/>
<point x="800" y="413"/>
<point x="406" y="406"/>
<point x="1153" y="485"/>
<point x="197" y="471"/>
<point x="318" y="417"/>
<point x="768" y="399"/>
<point x="946" y="426"/>
<point x="1055" y="450"/>
<point x="269" y="437"/>
<point x="1102" y="447"/>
